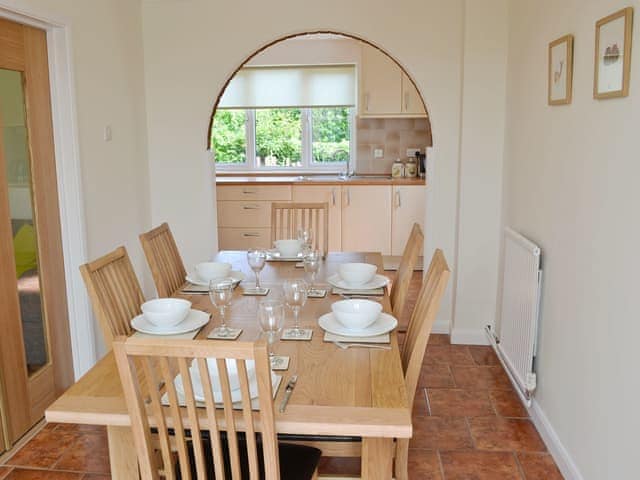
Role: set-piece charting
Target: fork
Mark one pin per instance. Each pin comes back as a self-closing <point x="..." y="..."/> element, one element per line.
<point x="345" y="346"/>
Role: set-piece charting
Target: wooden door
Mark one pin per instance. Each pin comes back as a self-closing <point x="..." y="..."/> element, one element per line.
<point x="408" y="208"/>
<point x="366" y="218"/>
<point x="333" y="196"/>
<point x="381" y="84"/>
<point x="35" y="349"/>
<point x="411" y="101"/>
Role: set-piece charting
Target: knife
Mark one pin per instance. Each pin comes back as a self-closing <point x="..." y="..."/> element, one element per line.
<point x="288" y="391"/>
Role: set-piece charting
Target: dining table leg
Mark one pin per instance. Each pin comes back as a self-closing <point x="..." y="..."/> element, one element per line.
<point x="122" y="453"/>
<point x="377" y="458"/>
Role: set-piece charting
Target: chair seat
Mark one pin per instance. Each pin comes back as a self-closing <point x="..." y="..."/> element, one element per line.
<point x="297" y="462"/>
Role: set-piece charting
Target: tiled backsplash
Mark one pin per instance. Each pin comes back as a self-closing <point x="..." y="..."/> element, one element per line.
<point x="393" y="136"/>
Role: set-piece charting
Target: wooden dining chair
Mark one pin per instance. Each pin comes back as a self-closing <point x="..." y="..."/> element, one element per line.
<point x="415" y="343"/>
<point x="164" y="260"/>
<point x="400" y="286"/>
<point x="212" y="440"/>
<point x="114" y="291"/>
<point x="287" y="218"/>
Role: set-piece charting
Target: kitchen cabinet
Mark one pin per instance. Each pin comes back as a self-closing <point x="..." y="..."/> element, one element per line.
<point x="408" y="208"/>
<point x="385" y="90"/>
<point x="366" y="214"/>
<point x="243" y="238"/>
<point x="331" y="194"/>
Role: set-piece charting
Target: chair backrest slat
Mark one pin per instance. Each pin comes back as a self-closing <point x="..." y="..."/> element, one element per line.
<point x="148" y="369"/>
<point x="114" y="291"/>
<point x="287" y="218"/>
<point x="164" y="260"/>
<point x="400" y="287"/>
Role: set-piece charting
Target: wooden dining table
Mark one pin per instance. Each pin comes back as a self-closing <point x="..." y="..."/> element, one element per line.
<point x="357" y="392"/>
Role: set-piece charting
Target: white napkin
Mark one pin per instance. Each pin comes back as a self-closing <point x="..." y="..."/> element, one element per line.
<point x="332" y="337"/>
<point x="180" y="336"/>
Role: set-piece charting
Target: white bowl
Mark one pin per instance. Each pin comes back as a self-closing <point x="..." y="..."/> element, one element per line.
<point x="232" y="372"/>
<point x="166" y="312"/>
<point x="208" y="271"/>
<point x="357" y="273"/>
<point x="356" y="314"/>
<point x="288" y="248"/>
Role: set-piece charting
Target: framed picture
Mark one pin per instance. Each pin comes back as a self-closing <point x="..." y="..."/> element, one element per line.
<point x="613" y="55"/>
<point x="560" y="70"/>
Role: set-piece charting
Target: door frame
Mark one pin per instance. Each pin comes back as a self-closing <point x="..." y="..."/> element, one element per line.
<point x="67" y="153"/>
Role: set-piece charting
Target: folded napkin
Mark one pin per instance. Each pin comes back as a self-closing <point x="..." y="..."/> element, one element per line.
<point x="195" y="289"/>
<point x="332" y="337"/>
<point x="180" y="336"/>
<point x="377" y="292"/>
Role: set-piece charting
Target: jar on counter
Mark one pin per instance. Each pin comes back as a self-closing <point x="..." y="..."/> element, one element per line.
<point x="411" y="168"/>
<point x="397" y="169"/>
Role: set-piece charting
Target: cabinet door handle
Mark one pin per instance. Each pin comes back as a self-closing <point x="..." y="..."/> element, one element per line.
<point x="247" y="235"/>
<point x="348" y="197"/>
<point x="251" y="207"/>
<point x="398" y="199"/>
<point x="333" y="196"/>
<point x="406" y="101"/>
<point x="249" y="192"/>
<point x="366" y="102"/>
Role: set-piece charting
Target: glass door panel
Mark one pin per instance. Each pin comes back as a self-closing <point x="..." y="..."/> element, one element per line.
<point x="23" y="228"/>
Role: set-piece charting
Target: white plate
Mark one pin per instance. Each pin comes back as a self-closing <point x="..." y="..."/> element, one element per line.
<point x="275" y="255"/>
<point x="236" y="275"/>
<point x="378" y="281"/>
<point x="195" y="319"/>
<point x="236" y="395"/>
<point x="384" y="324"/>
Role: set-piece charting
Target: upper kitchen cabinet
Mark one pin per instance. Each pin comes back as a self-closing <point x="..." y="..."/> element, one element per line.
<point x="385" y="90"/>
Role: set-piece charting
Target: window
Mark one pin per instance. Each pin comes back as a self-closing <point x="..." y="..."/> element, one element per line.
<point x="283" y="138"/>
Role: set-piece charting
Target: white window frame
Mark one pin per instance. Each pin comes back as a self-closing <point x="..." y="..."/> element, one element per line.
<point x="308" y="165"/>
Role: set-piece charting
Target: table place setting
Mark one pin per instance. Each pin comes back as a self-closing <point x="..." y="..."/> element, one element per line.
<point x="170" y="318"/>
<point x="199" y="279"/>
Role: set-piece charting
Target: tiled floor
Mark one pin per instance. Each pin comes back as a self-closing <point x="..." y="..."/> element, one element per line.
<point x="468" y="425"/>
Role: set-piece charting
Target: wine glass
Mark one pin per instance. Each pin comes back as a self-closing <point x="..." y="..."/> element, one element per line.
<point x="305" y="236"/>
<point x="295" y="296"/>
<point x="271" y="320"/>
<point x="257" y="260"/>
<point x="220" y="294"/>
<point x="311" y="263"/>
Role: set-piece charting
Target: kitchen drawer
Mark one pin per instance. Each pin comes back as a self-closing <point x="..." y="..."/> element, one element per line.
<point x="243" y="238"/>
<point x="244" y="214"/>
<point x="278" y="193"/>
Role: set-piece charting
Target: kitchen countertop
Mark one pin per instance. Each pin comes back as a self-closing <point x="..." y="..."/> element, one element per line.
<point x="315" y="180"/>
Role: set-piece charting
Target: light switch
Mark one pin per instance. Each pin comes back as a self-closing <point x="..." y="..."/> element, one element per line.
<point x="411" y="151"/>
<point x="108" y="134"/>
<point x="378" y="153"/>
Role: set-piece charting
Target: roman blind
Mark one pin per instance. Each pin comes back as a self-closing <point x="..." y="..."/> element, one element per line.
<point x="291" y="86"/>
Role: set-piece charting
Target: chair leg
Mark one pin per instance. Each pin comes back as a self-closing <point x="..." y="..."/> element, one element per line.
<point x="402" y="459"/>
<point x="315" y="475"/>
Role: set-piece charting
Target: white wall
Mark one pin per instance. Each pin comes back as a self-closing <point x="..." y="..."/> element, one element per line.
<point x="192" y="47"/>
<point x="108" y="69"/>
<point x="571" y="185"/>
<point x="310" y="51"/>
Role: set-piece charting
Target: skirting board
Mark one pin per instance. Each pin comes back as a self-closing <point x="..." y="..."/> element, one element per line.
<point x="468" y="336"/>
<point x="565" y="463"/>
<point x="441" y="326"/>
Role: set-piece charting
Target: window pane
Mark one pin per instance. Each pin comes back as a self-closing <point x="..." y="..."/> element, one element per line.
<point x="330" y="134"/>
<point x="279" y="137"/>
<point x="228" y="139"/>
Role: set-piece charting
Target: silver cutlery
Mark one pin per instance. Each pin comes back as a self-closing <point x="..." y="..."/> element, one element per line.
<point x="345" y="346"/>
<point x="288" y="391"/>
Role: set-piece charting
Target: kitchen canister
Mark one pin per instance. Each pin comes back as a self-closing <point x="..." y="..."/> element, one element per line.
<point x="397" y="169"/>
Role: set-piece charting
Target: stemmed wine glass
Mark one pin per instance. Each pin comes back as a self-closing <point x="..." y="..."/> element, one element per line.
<point x="295" y="296"/>
<point x="271" y="320"/>
<point x="257" y="260"/>
<point x="220" y="294"/>
<point x="311" y="263"/>
<point x="305" y="236"/>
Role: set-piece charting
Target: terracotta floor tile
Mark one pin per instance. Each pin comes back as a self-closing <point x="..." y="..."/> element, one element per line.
<point x="339" y="466"/>
<point x="439" y="339"/>
<point x="507" y="403"/>
<point x="480" y="378"/>
<point x="76" y="428"/>
<point x="44" y="450"/>
<point x="420" y="407"/>
<point x="440" y="433"/>
<point x="475" y="465"/>
<point x="26" y="474"/>
<point x="448" y="354"/>
<point x="446" y="402"/>
<point x="4" y="471"/>
<point x="436" y="376"/>
<point x="424" y="464"/>
<point x="496" y="433"/>
<point x="539" y="466"/>
<point x="484" y="355"/>
<point x="89" y="454"/>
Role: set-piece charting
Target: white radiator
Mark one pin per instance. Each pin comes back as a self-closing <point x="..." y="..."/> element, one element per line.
<point x="517" y="338"/>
